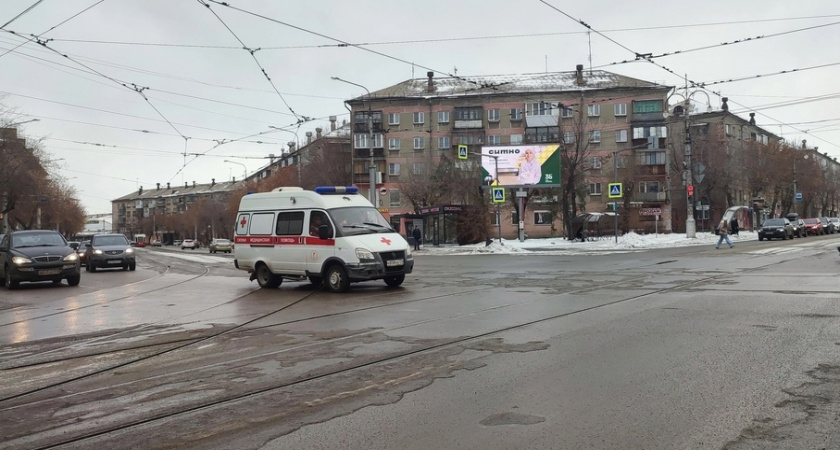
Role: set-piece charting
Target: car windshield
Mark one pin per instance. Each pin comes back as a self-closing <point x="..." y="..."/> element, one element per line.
<point x="360" y="220"/>
<point x="773" y="223"/>
<point x="45" y="239"/>
<point x="812" y="221"/>
<point x="222" y="241"/>
<point x="110" y="240"/>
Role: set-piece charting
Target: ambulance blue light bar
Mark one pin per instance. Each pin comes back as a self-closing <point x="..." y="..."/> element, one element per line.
<point x="327" y="190"/>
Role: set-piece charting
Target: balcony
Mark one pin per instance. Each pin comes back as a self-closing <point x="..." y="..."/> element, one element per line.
<point x="360" y="153"/>
<point x="649" y="196"/>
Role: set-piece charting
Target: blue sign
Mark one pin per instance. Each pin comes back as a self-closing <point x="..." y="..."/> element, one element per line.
<point x="614" y="190"/>
<point x="798" y="196"/>
<point x="498" y="195"/>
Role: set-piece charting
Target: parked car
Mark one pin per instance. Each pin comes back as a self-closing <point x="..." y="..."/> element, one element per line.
<point x="775" y="229"/>
<point x="835" y="223"/>
<point x="109" y="250"/>
<point x="155" y="243"/>
<point x="814" y="227"/>
<point x="177" y="242"/>
<point x="37" y="255"/>
<point x="220" y="245"/>
<point x="829" y="226"/>
<point x="798" y="225"/>
<point x="189" y="243"/>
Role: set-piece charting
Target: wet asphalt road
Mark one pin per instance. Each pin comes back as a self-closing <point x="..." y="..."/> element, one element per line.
<point x="670" y="348"/>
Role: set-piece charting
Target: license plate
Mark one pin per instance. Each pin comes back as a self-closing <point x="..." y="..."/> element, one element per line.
<point x="49" y="272"/>
<point x="115" y="261"/>
<point x="395" y="262"/>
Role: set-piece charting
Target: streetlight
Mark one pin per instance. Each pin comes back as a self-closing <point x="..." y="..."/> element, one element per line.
<point x="297" y="149"/>
<point x="372" y="168"/>
<point x="793" y="205"/>
<point x="244" y="167"/>
<point x="20" y="123"/>
<point x="489" y="181"/>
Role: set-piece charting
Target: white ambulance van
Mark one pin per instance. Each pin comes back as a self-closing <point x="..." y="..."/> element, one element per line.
<point x="331" y="235"/>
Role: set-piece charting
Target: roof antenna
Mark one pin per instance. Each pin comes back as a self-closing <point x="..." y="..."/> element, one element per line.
<point x="589" y="36"/>
<point x="546" y="63"/>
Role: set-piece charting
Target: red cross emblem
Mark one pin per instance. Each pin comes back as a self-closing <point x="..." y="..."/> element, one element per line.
<point x="243" y="222"/>
<point x="385" y="241"/>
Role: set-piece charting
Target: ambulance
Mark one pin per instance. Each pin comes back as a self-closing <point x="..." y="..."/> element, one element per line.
<point x="331" y="236"/>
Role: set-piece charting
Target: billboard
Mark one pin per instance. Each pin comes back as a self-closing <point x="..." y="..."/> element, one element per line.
<point x="521" y="165"/>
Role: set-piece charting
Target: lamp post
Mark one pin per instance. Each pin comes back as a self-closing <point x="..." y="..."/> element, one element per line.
<point x="372" y="167"/>
<point x="490" y="181"/>
<point x="793" y="205"/>
<point x="690" y="225"/>
<point x="20" y="123"/>
<point x="297" y="149"/>
<point x="244" y="168"/>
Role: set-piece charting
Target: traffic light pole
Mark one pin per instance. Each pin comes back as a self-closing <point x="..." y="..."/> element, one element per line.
<point x="690" y="226"/>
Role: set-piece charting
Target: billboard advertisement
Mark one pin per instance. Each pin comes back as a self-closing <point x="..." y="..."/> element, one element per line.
<point x="521" y="165"/>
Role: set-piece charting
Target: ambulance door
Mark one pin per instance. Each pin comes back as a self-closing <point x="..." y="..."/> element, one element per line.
<point x="289" y="256"/>
<point x="317" y="249"/>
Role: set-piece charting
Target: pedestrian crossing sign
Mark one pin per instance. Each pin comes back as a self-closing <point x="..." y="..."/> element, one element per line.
<point x="462" y="152"/>
<point x="498" y="195"/>
<point x="615" y="190"/>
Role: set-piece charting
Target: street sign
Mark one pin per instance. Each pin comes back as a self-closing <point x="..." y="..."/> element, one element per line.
<point x="798" y="196"/>
<point x="615" y="190"/>
<point x="462" y="151"/>
<point x="498" y="194"/>
<point x="651" y="211"/>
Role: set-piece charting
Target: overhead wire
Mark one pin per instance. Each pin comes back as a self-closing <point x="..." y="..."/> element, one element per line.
<point x="30" y="8"/>
<point x="51" y="28"/>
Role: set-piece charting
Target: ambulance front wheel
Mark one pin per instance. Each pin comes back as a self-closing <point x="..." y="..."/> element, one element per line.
<point x="337" y="279"/>
<point x="395" y="280"/>
<point x="266" y="279"/>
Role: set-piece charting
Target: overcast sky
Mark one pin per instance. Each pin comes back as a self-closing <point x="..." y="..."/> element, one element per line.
<point x="86" y="83"/>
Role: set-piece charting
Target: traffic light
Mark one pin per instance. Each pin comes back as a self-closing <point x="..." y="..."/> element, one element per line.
<point x="690" y="190"/>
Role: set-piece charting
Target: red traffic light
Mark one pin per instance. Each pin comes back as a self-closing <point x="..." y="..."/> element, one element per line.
<point x="690" y="189"/>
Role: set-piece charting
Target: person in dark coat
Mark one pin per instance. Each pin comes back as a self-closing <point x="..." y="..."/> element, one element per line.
<point x="733" y="227"/>
<point x="417" y="237"/>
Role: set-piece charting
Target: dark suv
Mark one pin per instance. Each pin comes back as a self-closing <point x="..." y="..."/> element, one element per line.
<point x="109" y="250"/>
<point x="775" y="228"/>
<point x="37" y="255"/>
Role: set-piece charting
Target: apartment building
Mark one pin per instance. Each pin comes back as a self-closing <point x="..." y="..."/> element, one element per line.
<point x="614" y="122"/>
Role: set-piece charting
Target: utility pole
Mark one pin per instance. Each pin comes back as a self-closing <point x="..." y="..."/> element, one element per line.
<point x="372" y="167"/>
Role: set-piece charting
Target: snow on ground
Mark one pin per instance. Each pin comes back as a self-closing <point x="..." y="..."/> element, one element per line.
<point x="629" y="242"/>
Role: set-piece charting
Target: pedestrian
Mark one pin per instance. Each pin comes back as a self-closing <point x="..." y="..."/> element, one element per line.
<point x="723" y="232"/>
<point x="417" y="237"/>
<point x="733" y="226"/>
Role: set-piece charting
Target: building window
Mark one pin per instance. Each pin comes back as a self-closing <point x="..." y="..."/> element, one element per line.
<point x="648" y="186"/>
<point x="514" y="218"/>
<point x="651" y="158"/>
<point x="568" y="137"/>
<point x="593" y="110"/>
<point x="541" y="108"/>
<point x="419" y="118"/>
<point x="594" y="188"/>
<point x="647" y="106"/>
<point x="444" y="143"/>
<point x="417" y="168"/>
<point x="393" y="119"/>
<point x="621" y="135"/>
<point x="494" y="220"/>
<point x="395" y="198"/>
<point x="493" y="115"/>
<point x="443" y="116"/>
<point x="393" y="143"/>
<point x="620" y="109"/>
<point x="515" y="139"/>
<point x="494" y="139"/>
<point x="595" y="136"/>
<point x="394" y="169"/>
<point x="469" y="113"/>
<point x="419" y="143"/>
<point x="645" y="132"/>
<point x="542" y="218"/>
<point x="515" y="114"/>
<point x="567" y="113"/>
<point x="542" y="134"/>
<point x="361" y="141"/>
<point x="595" y="162"/>
<point x="728" y="130"/>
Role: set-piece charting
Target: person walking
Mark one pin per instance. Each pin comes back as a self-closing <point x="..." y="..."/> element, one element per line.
<point x="723" y="232"/>
<point x="417" y="237"/>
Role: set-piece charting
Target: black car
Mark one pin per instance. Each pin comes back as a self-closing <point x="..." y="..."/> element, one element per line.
<point x="829" y="227"/>
<point x="798" y="225"/>
<point x="37" y="255"/>
<point x="109" y="250"/>
<point x="775" y="228"/>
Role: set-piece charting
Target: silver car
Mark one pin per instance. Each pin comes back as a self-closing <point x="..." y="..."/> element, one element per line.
<point x="220" y="245"/>
<point x="109" y="250"/>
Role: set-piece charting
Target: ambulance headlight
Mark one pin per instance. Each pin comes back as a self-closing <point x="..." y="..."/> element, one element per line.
<point x="364" y="254"/>
<point x="408" y="251"/>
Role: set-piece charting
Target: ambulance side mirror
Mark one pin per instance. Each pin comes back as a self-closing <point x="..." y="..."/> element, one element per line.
<point x="324" y="232"/>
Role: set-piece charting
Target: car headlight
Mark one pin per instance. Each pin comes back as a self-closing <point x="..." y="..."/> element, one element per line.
<point x="408" y="251"/>
<point x="364" y="254"/>
<point x="97" y="252"/>
<point x="71" y="257"/>
<point x="19" y="260"/>
<point x="129" y="250"/>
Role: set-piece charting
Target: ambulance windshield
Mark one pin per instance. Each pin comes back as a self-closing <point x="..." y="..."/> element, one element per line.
<point x="360" y="220"/>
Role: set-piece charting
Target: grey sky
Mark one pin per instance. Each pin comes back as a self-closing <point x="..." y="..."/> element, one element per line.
<point x="196" y="75"/>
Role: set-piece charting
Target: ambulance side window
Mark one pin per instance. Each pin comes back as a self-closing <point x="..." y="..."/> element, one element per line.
<point x="261" y="224"/>
<point x="290" y="223"/>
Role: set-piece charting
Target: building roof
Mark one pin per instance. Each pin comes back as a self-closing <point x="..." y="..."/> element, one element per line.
<point x="511" y="84"/>
<point x="179" y="190"/>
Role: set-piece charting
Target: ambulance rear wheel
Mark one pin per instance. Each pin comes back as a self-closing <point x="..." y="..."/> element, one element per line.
<point x="266" y="279"/>
<point x="337" y="279"/>
<point x="395" y="280"/>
